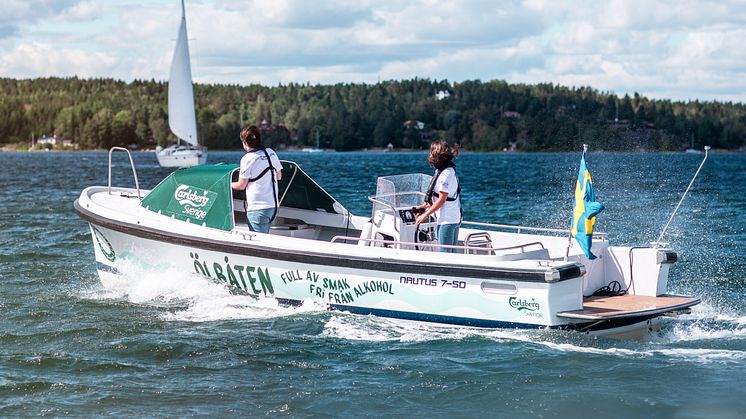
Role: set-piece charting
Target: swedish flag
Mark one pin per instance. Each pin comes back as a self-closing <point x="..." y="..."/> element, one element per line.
<point x="585" y="211"/>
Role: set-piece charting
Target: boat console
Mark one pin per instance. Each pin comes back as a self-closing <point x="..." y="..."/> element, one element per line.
<point x="392" y="223"/>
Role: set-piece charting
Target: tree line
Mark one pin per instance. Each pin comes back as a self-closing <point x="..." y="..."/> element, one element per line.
<point x="481" y="116"/>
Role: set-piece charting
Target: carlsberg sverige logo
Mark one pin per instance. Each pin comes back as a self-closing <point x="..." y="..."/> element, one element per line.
<point x="522" y="304"/>
<point x="191" y="202"/>
<point x="186" y="196"/>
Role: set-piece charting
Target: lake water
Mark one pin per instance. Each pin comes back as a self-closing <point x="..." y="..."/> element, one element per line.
<point x="177" y="345"/>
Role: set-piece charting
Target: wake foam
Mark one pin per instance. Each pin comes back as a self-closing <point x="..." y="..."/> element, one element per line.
<point x="705" y="322"/>
<point x="380" y="329"/>
<point x="695" y="355"/>
<point x="185" y="296"/>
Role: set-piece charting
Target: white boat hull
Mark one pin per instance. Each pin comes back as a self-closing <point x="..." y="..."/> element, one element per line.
<point x="378" y="265"/>
<point x="403" y="292"/>
<point x="181" y="158"/>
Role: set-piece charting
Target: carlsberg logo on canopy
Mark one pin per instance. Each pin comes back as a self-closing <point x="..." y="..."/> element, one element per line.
<point x="191" y="202"/>
<point x="186" y="196"/>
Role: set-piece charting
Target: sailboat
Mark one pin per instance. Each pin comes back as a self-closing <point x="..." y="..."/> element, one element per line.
<point x="317" y="149"/>
<point x="692" y="149"/>
<point x="181" y="118"/>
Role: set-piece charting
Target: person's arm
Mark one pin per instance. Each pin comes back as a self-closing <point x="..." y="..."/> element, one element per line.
<point x="240" y="184"/>
<point x="442" y="197"/>
<point x="276" y="163"/>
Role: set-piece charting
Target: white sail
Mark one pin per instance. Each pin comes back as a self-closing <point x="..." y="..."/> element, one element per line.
<point x="181" y="116"/>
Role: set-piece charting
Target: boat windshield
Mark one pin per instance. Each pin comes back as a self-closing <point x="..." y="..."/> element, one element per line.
<point x="401" y="190"/>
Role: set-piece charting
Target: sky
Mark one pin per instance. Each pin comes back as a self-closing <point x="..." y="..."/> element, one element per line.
<point x="678" y="50"/>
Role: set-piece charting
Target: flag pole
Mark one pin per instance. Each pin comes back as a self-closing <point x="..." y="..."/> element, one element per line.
<point x="569" y="236"/>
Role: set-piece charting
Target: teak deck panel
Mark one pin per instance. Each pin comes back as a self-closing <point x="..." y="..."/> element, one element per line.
<point x="628" y="306"/>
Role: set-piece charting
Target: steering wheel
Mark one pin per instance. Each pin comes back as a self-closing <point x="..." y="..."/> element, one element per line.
<point x="426" y="234"/>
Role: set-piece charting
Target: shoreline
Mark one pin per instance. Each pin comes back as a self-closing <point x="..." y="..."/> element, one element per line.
<point x="298" y="150"/>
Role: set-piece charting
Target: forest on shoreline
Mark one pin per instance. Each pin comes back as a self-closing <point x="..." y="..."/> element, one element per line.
<point x="408" y="114"/>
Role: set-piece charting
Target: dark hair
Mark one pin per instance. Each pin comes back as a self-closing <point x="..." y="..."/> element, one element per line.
<point x="251" y="136"/>
<point x="441" y="154"/>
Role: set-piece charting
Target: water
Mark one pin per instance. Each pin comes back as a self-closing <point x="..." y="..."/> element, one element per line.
<point x="179" y="346"/>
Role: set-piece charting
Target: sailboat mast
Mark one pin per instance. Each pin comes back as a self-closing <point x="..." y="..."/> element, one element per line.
<point x="181" y="116"/>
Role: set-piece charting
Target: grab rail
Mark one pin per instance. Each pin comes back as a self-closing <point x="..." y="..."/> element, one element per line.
<point x="132" y="163"/>
<point x="448" y="246"/>
<point x="519" y="228"/>
<point x="375" y="199"/>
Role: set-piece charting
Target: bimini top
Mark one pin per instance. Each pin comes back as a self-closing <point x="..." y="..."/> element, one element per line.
<point x="202" y="194"/>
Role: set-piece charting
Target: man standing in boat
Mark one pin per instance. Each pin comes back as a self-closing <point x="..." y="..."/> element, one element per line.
<point x="443" y="197"/>
<point x="260" y="170"/>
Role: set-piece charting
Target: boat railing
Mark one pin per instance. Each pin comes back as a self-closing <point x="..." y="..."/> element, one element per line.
<point x="519" y="229"/>
<point x="383" y="201"/>
<point x="466" y="249"/>
<point x="132" y="164"/>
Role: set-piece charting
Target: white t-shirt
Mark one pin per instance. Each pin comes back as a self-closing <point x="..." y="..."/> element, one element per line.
<point x="259" y="193"/>
<point x="450" y="212"/>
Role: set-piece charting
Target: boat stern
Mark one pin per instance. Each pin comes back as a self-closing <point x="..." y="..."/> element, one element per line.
<point x="639" y="270"/>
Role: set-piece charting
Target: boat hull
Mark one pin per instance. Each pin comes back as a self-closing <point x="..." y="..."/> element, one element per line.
<point x="181" y="158"/>
<point x="372" y="289"/>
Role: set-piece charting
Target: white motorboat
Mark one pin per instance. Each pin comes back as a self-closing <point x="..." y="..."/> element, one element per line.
<point x="316" y="149"/>
<point x="181" y="117"/>
<point x="382" y="264"/>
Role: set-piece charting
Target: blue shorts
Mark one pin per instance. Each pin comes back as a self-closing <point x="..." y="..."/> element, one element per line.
<point x="448" y="234"/>
<point x="260" y="220"/>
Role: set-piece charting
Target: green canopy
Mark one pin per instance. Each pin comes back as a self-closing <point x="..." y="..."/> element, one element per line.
<point x="202" y="194"/>
<point x="198" y="195"/>
<point x="303" y="192"/>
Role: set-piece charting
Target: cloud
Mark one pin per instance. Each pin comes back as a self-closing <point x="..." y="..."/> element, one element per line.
<point x="680" y="50"/>
<point x="17" y="13"/>
<point x="298" y="14"/>
<point x="384" y="33"/>
<point x="39" y="60"/>
<point x="83" y="11"/>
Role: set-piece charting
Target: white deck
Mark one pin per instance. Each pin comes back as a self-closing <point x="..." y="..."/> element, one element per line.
<point x="604" y="308"/>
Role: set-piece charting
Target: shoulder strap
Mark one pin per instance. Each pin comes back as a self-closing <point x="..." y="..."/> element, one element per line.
<point x="431" y="193"/>
<point x="269" y="168"/>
